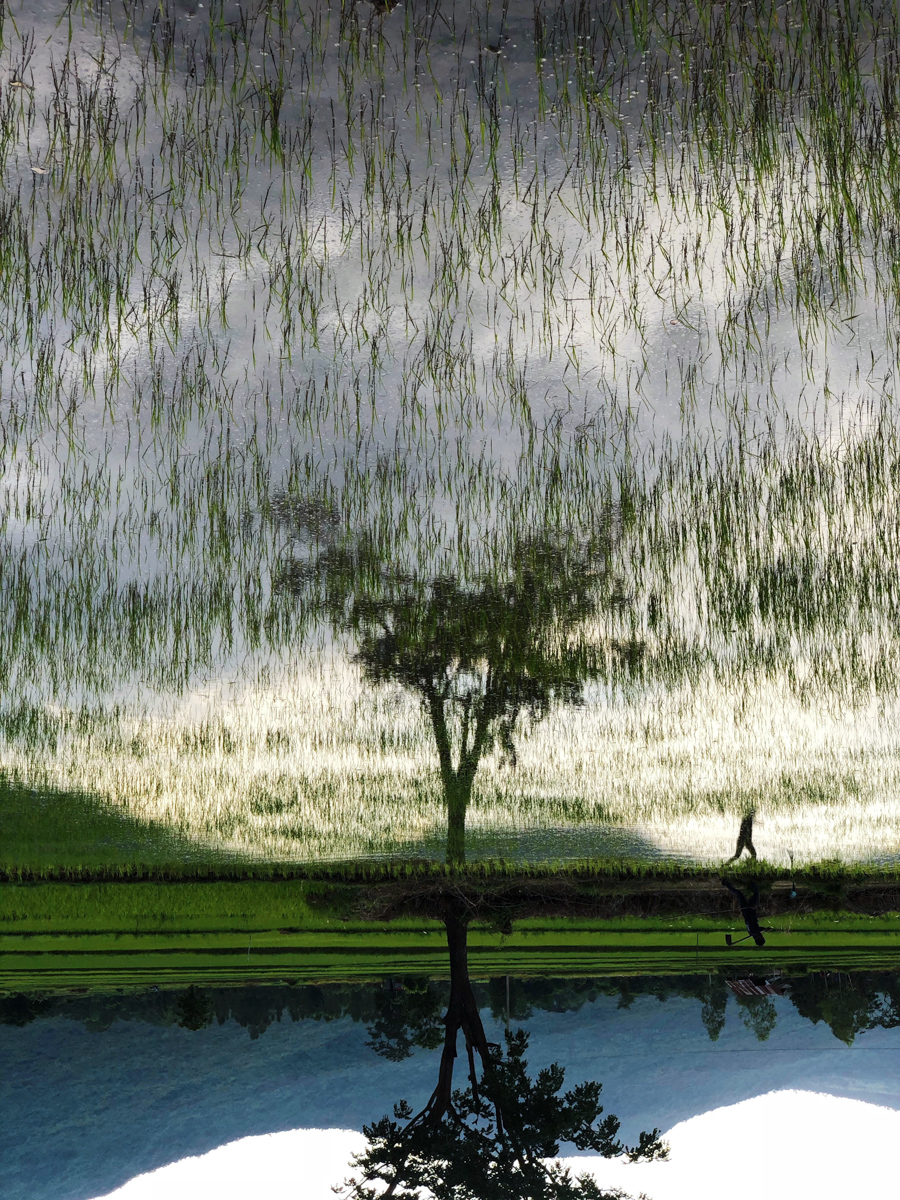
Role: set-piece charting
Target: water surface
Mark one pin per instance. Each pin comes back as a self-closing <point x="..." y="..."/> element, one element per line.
<point x="98" y="1089"/>
<point x="304" y="315"/>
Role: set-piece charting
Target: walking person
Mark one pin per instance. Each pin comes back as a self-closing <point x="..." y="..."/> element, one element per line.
<point x="745" y="838"/>
<point x="749" y="913"/>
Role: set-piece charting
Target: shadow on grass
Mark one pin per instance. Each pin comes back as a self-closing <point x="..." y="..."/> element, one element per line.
<point x="46" y="831"/>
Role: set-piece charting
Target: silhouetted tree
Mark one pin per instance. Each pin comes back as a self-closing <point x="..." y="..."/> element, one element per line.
<point x="494" y="1139"/>
<point x="714" y="998"/>
<point x="848" y="1004"/>
<point x="759" y="1015"/>
<point x="194" y="1009"/>
<point x="408" y="1015"/>
<point x="21" y="1009"/>
<point x="477" y="656"/>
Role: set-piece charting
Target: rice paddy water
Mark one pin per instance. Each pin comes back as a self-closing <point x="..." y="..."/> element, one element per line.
<point x="314" y="313"/>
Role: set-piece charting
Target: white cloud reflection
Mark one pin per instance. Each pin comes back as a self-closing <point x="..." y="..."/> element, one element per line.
<point x="788" y="1143"/>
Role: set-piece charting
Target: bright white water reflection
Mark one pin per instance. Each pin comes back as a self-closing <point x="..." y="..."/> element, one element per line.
<point x="790" y="1143"/>
<point x="324" y="766"/>
<point x="436" y="279"/>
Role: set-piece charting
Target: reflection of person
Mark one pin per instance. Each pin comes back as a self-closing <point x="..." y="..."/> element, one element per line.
<point x="745" y="837"/>
<point x="748" y="912"/>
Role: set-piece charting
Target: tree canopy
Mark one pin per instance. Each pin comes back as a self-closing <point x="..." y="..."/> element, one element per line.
<point x="478" y="655"/>
<point x="497" y="1137"/>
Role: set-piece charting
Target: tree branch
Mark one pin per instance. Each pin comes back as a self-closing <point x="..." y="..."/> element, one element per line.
<point x="441" y="736"/>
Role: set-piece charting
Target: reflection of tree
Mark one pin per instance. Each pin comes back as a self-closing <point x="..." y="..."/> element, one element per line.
<point x="194" y="1009"/>
<point x="759" y="1015"/>
<point x="480" y="656"/>
<point x="408" y="1014"/>
<point x="491" y="1139"/>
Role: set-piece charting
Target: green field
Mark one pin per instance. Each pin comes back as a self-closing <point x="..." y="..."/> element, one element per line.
<point x="308" y="308"/>
<point x="55" y="835"/>
<point x="48" y="831"/>
<point x="59" y="962"/>
<point x="58" y="936"/>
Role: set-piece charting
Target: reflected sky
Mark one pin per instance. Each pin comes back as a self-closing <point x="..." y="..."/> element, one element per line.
<point x="439" y="280"/>
<point x="811" y="1143"/>
<point x="90" y="1107"/>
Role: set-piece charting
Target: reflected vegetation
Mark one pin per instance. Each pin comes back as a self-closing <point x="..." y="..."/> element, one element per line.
<point x="341" y="335"/>
<point x="404" y="1012"/>
<point x="492" y="1137"/>
<point x="703" y="688"/>
<point x="481" y="660"/>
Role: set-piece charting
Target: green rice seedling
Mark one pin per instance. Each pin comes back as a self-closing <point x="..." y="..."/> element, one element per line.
<point x="241" y="259"/>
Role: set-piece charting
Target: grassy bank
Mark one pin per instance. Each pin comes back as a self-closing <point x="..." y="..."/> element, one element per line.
<point x="35" y="962"/>
<point x="338" y="902"/>
<point x="105" y="935"/>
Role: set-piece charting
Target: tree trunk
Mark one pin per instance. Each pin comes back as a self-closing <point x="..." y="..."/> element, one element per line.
<point x="462" y="1009"/>
<point x="457" y="785"/>
<point x="457" y="795"/>
<point x="462" y="1013"/>
<point x="458" y="954"/>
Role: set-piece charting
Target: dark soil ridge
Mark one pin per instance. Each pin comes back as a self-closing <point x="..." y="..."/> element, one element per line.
<point x="503" y="901"/>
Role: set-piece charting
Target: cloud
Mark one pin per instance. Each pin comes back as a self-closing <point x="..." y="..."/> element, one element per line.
<point x="301" y="1162"/>
<point x="786" y="1143"/>
<point x="789" y="1143"/>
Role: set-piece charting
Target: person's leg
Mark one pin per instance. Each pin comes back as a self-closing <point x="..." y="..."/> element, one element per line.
<point x="745" y="836"/>
<point x="734" y="891"/>
<point x="754" y="898"/>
